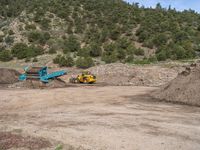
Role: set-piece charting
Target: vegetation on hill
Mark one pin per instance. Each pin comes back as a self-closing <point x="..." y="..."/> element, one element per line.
<point x="105" y="30"/>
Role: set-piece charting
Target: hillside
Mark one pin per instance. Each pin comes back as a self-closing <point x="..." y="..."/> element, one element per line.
<point x="88" y="32"/>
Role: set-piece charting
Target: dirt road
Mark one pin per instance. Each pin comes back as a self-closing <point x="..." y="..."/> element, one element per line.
<point x="96" y="118"/>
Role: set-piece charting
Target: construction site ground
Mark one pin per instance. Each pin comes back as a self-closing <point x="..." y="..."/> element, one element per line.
<point x="95" y="118"/>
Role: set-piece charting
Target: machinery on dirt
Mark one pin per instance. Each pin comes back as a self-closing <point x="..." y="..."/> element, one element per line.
<point x="86" y="77"/>
<point x="40" y="73"/>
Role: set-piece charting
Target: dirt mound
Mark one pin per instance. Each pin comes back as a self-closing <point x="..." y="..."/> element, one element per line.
<point x="36" y="84"/>
<point x="123" y="74"/>
<point x="8" y="76"/>
<point x="184" y="89"/>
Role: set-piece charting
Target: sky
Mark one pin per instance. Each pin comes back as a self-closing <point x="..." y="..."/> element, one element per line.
<point x="178" y="4"/>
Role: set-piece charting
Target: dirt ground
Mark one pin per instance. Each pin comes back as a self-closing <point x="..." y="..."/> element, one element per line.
<point x="95" y="118"/>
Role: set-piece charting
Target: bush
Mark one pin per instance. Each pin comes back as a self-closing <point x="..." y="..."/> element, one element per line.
<point x="10" y="32"/>
<point x="9" y="40"/>
<point x="1" y="38"/>
<point x="115" y="33"/>
<point x="84" y="62"/>
<point x="64" y="61"/>
<point x="160" y="39"/>
<point x="34" y="36"/>
<point x="52" y="51"/>
<point x="45" y="23"/>
<point x="129" y="59"/>
<point x="161" y="56"/>
<point x="34" y="51"/>
<point x="5" y="56"/>
<point x="110" y="57"/>
<point x="84" y="52"/>
<point x="30" y="27"/>
<point x="95" y="50"/>
<point x="139" y="52"/>
<point x="39" y="37"/>
<point x="72" y="44"/>
<point x="121" y="54"/>
<point x="21" y="51"/>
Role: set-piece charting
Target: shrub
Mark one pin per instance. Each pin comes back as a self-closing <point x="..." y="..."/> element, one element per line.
<point x="44" y="23"/>
<point x="5" y="56"/>
<point x="84" y="62"/>
<point x="83" y="52"/>
<point x="161" y="56"/>
<point x="1" y="38"/>
<point x="115" y="33"/>
<point x="52" y="51"/>
<point x="95" y="50"/>
<point x="34" y="36"/>
<point x="139" y="51"/>
<point x="64" y="61"/>
<point x="72" y="44"/>
<point x="39" y="37"/>
<point x="30" y="27"/>
<point x="21" y="51"/>
<point x="129" y="59"/>
<point x="110" y="57"/>
<point x="160" y="39"/>
<point x="10" y="32"/>
<point x="34" y="51"/>
<point x="9" y="40"/>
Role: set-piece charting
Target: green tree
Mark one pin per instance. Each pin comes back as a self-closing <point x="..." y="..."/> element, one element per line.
<point x="84" y="62"/>
<point x="72" y="44"/>
<point x="84" y="52"/>
<point x="5" y="56"/>
<point x="64" y="61"/>
<point x="95" y="50"/>
<point x="19" y="50"/>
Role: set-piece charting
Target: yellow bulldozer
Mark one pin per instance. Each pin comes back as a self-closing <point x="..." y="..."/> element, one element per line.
<point x="86" y="77"/>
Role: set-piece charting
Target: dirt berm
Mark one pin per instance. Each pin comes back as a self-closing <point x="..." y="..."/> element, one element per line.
<point x="184" y="89"/>
<point x="123" y="74"/>
<point x="37" y="84"/>
<point x="8" y="76"/>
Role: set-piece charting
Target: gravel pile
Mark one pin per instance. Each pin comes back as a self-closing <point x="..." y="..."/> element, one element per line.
<point x="36" y="84"/>
<point x="184" y="89"/>
<point x="123" y="74"/>
<point x="8" y="76"/>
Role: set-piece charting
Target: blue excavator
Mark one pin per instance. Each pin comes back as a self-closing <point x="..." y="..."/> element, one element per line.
<point x="40" y="73"/>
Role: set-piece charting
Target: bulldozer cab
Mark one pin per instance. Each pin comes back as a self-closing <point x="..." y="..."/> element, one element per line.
<point x="86" y="73"/>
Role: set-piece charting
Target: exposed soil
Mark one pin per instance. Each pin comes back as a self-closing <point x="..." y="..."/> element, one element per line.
<point x="37" y="84"/>
<point x="184" y="89"/>
<point x="98" y="118"/>
<point x="8" y="76"/>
